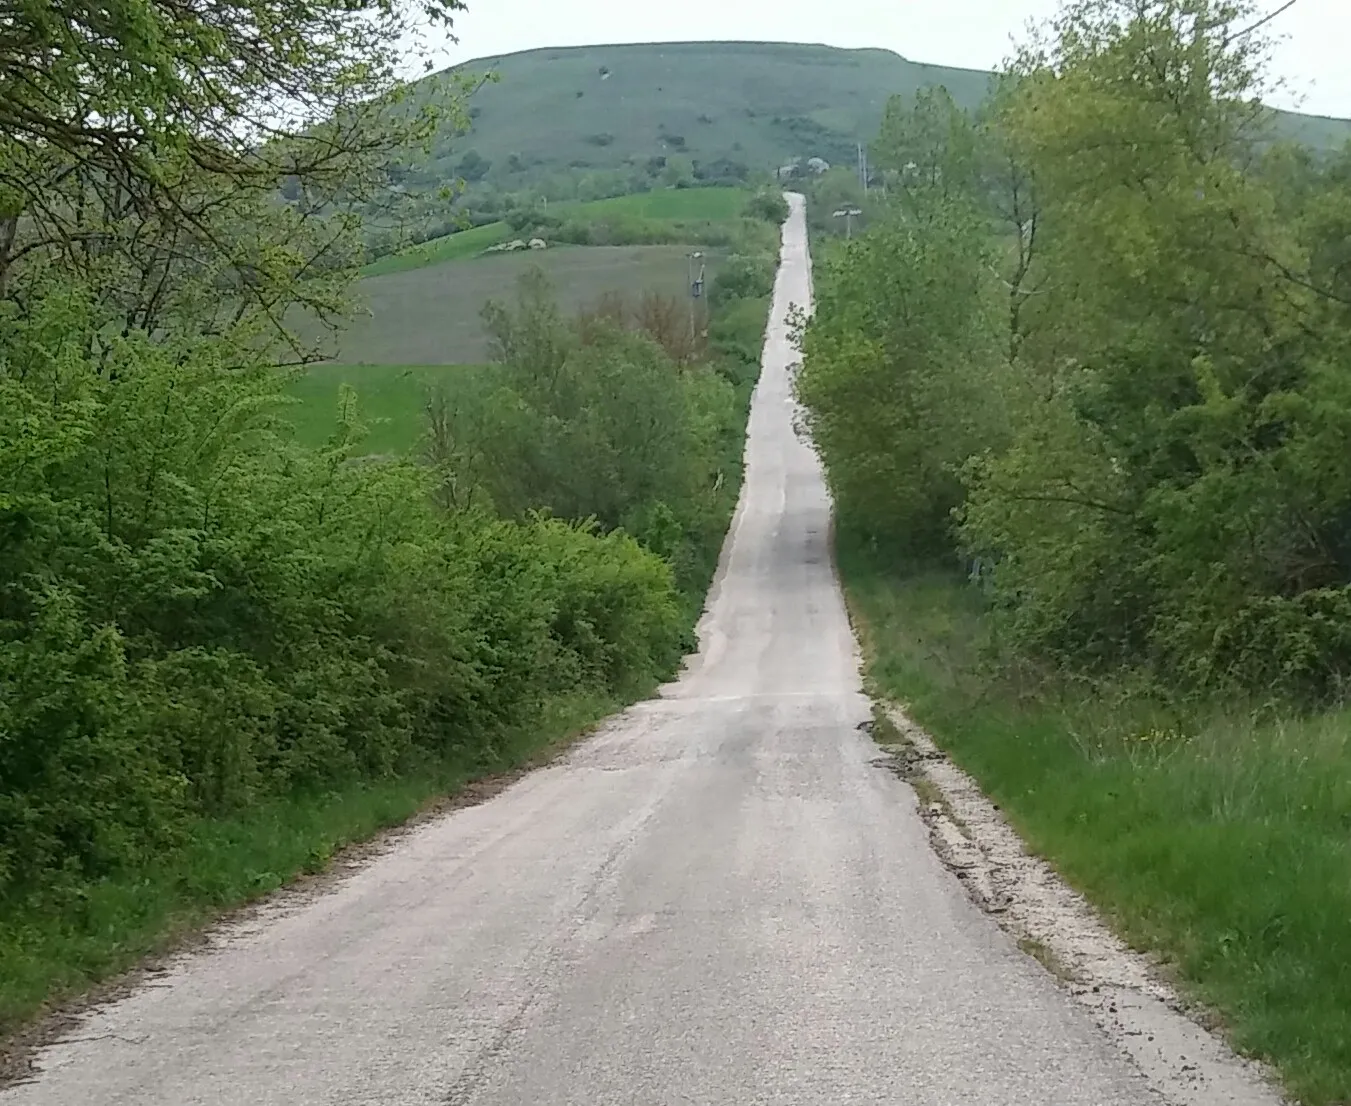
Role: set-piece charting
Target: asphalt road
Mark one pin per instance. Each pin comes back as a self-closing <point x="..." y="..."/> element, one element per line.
<point x="718" y="901"/>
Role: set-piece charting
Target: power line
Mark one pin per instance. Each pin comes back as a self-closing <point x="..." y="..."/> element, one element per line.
<point x="1263" y="21"/>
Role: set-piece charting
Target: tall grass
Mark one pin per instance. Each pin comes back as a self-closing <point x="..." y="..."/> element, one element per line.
<point x="1214" y="836"/>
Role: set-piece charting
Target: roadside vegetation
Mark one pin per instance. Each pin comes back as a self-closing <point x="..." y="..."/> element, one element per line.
<point x="1080" y="389"/>
<point x="228" y="648"/>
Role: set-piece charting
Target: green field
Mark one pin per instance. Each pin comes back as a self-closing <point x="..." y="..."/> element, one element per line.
<point x="391" y="401"/>
<point x="432" y="315"/>
<point x="721" y="105"/>
<point x="668" y="204"/>
<point x="424" y="325"/>
<point x="451" y="247"/>
<point x="677" y="208"/>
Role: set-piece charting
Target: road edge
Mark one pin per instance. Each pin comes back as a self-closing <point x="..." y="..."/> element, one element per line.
<point x="1183" y="1059"/>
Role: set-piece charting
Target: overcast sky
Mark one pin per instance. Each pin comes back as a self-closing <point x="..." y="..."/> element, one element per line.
<point x="971" y="33"/>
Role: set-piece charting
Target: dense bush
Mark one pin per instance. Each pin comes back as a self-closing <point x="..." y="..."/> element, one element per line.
<point x="742" y="277"/>
<point x="768" y="205"/>
<point x="195" y="615"/>
<point x="898" y="377"/>
<point x="614" y="417"/>
<point x="1097" y="344"/>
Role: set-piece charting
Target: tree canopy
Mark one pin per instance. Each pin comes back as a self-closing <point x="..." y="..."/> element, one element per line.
<point x="1098" y="344"/>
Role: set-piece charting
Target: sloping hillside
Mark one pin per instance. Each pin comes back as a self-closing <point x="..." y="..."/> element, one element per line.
<point x="751" y="104"/>
<point x="719" y="106"/>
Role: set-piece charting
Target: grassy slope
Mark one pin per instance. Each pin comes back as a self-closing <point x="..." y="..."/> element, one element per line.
<point x="676" y="206"/>
<point x="1223" y="843"/>
<point x="754" y="103"/>
<point x="452" y="247"/>
<point x="757" y="103"/>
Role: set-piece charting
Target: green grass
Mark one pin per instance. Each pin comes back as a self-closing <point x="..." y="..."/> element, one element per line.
<point x="390" y="400"/>
<point x="49" y="955"/>
<point x="452" y="247"/>
<point x="667" y="204"/>
<point x="673" y="211"/>
<point x="1219" y="840"/>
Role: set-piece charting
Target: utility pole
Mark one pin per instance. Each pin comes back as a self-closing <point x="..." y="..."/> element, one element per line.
<point x="848" y="214"/>
<point x="696" y="284"/>
<point x="863" y="168"/>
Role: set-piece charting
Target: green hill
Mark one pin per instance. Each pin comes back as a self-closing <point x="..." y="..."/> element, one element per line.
<point x="717" y="110"/>
<point x="740" y="103"/>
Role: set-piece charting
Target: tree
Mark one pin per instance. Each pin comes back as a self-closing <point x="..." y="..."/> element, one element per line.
<point x="927" y="151"/>
<point x="144" y="149"/>
<point x="901" y="377"/>
<point x="473" y="167"/>
<point x="1173" y="495"/>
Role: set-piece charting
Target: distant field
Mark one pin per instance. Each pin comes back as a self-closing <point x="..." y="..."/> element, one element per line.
<point x="433" y="315"/>
<point x="426" y="325"/>
<point x="451" y="247"/>
<point x="391" y="400"/>
<point x="672" y="205"/>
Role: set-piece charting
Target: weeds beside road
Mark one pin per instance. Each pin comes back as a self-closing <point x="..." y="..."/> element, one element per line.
<point x="1220" y="840"/>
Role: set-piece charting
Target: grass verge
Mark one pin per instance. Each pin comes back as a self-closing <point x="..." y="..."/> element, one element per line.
<point x="50" y="956"/>
<point x="1216" y="838"/>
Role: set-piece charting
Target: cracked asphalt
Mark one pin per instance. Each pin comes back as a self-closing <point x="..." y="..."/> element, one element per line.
<point x="719" y="900"/>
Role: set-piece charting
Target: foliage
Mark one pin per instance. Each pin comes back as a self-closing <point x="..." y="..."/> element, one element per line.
<point x="1154" y="470"/>
<point x="901" y="375"/>
<point x="205" y="624"/>
<point x="614" y="417"/>
<point x="145" y="148"/>
<point x="768" y="205"/>
<point x="835" y="190"/>
<point x="196" y="615"/>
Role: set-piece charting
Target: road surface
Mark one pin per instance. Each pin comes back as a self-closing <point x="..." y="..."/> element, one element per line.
<point x="717" y="901"/>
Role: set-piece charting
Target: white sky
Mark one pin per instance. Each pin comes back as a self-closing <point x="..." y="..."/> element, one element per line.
<point x="977" y="34"/>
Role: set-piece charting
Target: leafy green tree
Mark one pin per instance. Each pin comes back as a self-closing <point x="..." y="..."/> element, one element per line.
<point x="196" y="614"/>
<point x="928" y="151"/>
<point x="1174" y="490"/>
<point x="901" y="375"/>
